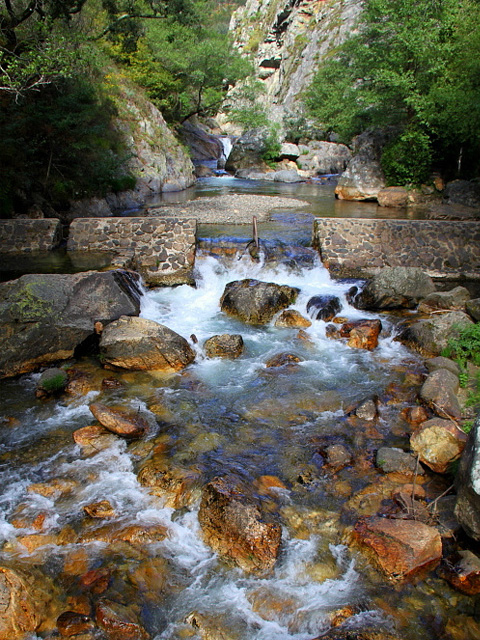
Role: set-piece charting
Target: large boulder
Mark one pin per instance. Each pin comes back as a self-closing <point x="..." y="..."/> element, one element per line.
<point x="363" y="178"/>
<point x="455" y="300"/>
<point x="394" y="288"/>
<point x="463" y="192"/>
<point x="202" y="144"/>
<point x="144" y="345"/>
<point x="44" y="318"/>
<point x="235" y="526"/>
<point x="467" y="483"/>
<point x="321" y="157"/>
<point x="247" y="151"/>
<point x="256" y="302"/>
<point x="430" y="337"/>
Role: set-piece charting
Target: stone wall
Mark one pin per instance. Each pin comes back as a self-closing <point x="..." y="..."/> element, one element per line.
<point x="359" y="247"/>
<point x="25" y="235"/>
<point x="161" y="249"/>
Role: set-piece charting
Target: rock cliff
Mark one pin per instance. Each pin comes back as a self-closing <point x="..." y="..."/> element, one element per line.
<point x="286" y="39"/>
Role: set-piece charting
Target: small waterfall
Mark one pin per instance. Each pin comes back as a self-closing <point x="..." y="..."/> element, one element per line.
<point x="227" y="147"/>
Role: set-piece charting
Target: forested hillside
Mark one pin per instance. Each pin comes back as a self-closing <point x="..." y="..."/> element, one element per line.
<point x="60" y="61"/>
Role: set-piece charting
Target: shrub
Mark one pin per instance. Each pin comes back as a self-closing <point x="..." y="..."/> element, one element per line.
<point x="407" y="160"/>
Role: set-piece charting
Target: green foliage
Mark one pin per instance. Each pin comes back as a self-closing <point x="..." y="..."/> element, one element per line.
<point x="466" y="346"/>
<point x="55" y="382"/>
<point x="467" y="426"/>
<point x="412" y="64"/>
<point x="247" y="110"/>
<point x="59" y="145"/>
<point x="407" y="160"/>
<point x="272" y="146"/>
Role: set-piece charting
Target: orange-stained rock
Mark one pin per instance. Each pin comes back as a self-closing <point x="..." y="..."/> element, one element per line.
<point x="119" y="622"/>
<point x="463" y="572"/>
<point x="93" y="438"/>
<point x="96" y="580"/>
<point x="122" y="422"/>
<point x="281" y="359"/>
<point x="361" y="334"/>
<point x="224" y="346"/>
<point x="234" y="525"/>
<point x="291" y="318"/>
<point x="102" y="509"/>
<point x="53" y="488"/>
<point x="401" y="548"/>
<point x="268" y="484"/>
<point x="21" y="609"/>
<point x="438" y="443"/>
<point x="415" y="415"/>
<point x="135" y="534"/>
<point x="179" y="487"/>
<point x="72" y="623"/>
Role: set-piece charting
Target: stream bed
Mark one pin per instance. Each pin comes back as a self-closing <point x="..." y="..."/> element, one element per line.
<point x="140" y="569"/>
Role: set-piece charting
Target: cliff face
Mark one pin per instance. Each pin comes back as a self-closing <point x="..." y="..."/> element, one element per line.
<point x="287" y="38"/>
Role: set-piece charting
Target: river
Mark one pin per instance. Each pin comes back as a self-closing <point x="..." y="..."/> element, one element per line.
<point x="223" y="417"/>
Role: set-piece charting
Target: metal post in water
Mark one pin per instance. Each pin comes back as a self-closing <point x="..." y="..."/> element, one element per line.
<point x="255" y="231"/>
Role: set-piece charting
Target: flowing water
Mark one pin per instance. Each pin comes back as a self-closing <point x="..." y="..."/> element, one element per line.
<point x="220" y="417"/>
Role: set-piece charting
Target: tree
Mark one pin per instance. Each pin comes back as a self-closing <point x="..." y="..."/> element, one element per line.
<point x="401" y="69"/>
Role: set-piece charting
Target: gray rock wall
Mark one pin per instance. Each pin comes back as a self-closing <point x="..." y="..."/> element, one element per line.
<point x="24" y="236"/>
<point x="161" y="249"/>
<point x="359" y="247"/>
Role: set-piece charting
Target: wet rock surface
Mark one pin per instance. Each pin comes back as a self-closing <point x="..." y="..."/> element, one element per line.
<point x="141" y="344"/>
<point x="256" y="302"/>
<point x="224" y="346"/>
<point x="44" y="318"/>
<point x="395" y="287"/>
<point x="122" y="422"/>
<point x="234" y="525"/>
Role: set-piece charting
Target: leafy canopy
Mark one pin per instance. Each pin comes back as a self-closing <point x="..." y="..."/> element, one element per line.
<point x="414" y="65"/>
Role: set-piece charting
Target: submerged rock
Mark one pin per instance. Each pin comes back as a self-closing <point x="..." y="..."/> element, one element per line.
<point x="401" y="548"/>
<point x="234" y="525"/>
<point x="463" y="572"/>
<point x="144" y="345"/>
<point x="179" y="487"/>
<point x="122" y="422"/>
<point x="119" y="622"/>
<point x="256" y="302"/>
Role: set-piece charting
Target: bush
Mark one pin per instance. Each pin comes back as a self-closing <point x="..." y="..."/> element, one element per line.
<point x="407" y="160"/>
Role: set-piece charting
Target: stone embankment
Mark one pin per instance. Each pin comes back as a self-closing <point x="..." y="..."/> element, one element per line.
<point x="25" y="236"/>
<point x="362" y="247"/>
<point x="161" y="249"/>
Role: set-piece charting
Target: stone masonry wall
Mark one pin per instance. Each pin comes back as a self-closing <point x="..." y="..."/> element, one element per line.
<point x="25" y="235"/>
<point x="161" y="249"/>
<point x="360" y="247"/>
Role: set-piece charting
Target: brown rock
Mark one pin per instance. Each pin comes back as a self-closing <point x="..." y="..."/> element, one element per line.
<point x="234" y="526"/>
<point x="102" y="509"/>
<point x="291" y="318"/>
<point x="393" y="197"/>
<point x="119" y="622"/>
<point x="439" y="391"/>
<point x="122" y="422"/>
<point x="282" y="359"/>
<point x="401" y="547"/>
<point x="19" y="612"/>
<point x="135" y="534"/>
<point x="93" y="438"/>
<point x="178" y="486"/>
<point x="438" y="443"/>
<point x="361" y="334"/>
<point x="96" y="580"/>
<point x="53" y="488"/>
<point x="415" y="415"/>
<point x="71" y="623"/>
<point x="144" y="345"/>
<point x="224" y="346"/>
<point x="256" y="302"/>
<point x="463" y="572"/>
<point x="268" y="485"/>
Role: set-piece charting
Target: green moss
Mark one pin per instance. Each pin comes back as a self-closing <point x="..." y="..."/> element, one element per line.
<point x="55" y="382"/>
<point x="28" y="305"/>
